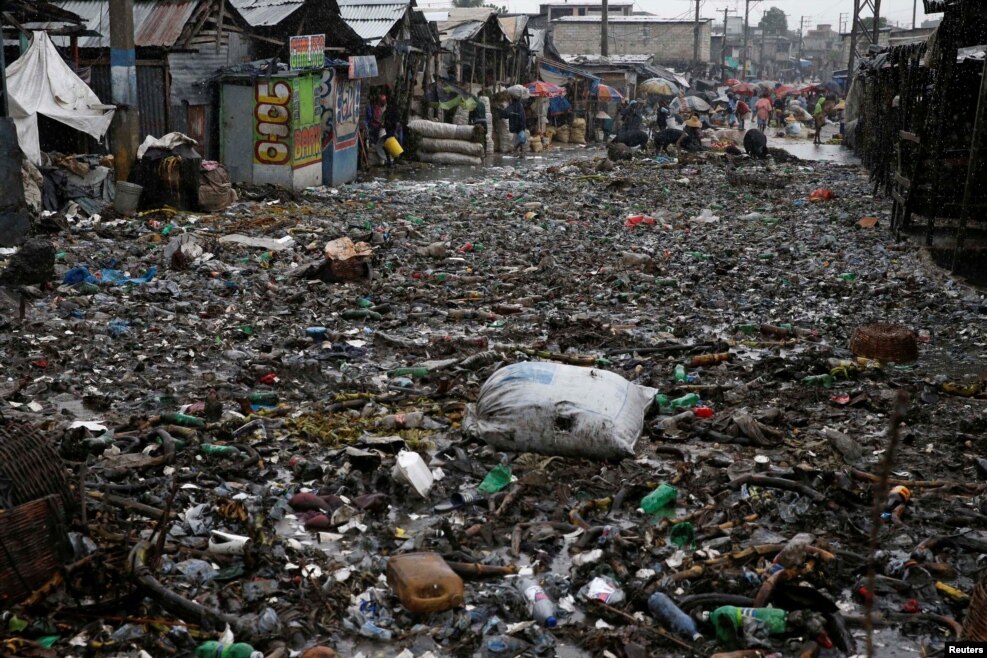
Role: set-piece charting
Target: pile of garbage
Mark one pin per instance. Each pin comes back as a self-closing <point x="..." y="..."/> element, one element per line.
<point x="559" y="410"/>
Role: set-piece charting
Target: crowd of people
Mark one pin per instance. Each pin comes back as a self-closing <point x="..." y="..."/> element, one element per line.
<point x="639" y="122"/>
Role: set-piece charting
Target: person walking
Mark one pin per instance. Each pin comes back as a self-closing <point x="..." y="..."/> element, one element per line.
<point x="743" y="110"/>
<point x="763" y="107"/>
<point x="517" y="124"/>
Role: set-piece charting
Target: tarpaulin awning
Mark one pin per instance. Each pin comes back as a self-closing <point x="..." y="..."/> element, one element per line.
<point x="363" y="66"/>
<point x="558" y="73"/>
<point x="40" y="82"/>
<point x="731" y="62"/>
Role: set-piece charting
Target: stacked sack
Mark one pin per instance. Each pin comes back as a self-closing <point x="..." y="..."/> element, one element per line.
<point x="447" y="143"/>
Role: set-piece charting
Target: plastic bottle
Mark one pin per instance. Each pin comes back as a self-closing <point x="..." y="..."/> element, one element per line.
<point x="213" y="449"/>
<point x="747" y="329"/>
<point x="215" y="649"/>
<point x="703" y="412"/>
<point x="540" y="605"/>
<point x="265" y="398"/>
<point x="898" y="499"/>
<point x="184" y="420"/>
<point x="729" y="617"/>
<point x="680" y="374"/>
<point x="686" y="401"/>
<point x="663" y="401"/>
<point x="414" y="373"/>
<point x="709" y="359"/>
<point x="826" y="381"/>
<point x="660" y="498"/>
<point x="664" y="609"/>
<point x="666" y="283"/>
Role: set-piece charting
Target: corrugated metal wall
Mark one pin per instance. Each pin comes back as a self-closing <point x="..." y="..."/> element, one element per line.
<point x="152" y="95"/>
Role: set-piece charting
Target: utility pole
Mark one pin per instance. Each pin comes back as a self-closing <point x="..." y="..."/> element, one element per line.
<point x="858" y="31"/>
<point x="604" y="39"/>
<point x="723" y="50"/>
<point x="743" y="54"/>
<point x="914" y="12"/>
<point x="801" y="45"/>
<point x="124" y="131"/>
<point x="695" y="42"/>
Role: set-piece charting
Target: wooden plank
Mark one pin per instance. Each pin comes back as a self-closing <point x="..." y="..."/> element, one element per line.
<point x="909" y="137"/>
<point x="903" y="182"/>
<point x="897" y="197"/>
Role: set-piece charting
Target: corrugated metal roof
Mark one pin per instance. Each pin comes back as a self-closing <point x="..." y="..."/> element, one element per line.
<point x="372" y="19"/>
<point x="627" y="19"/>
<point x="463" y="23"/>
<point x="157" y="23"/>
<point x="513" y="26"/>
<point x="265" y="13"/>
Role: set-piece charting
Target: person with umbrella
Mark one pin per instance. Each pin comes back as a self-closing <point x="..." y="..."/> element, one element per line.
<point x="517" y="124"/>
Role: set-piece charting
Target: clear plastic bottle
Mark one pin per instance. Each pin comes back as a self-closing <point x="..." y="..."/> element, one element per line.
<point x="541" y="606"/>
<point x="665" y="610"/>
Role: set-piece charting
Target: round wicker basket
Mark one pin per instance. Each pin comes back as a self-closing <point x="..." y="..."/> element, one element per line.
<point x="975" y="624"/>
<point x="886" y="342"/>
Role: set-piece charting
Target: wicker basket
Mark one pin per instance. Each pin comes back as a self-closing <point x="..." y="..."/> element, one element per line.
<point x="33" y="546"/>
<point x="887" y="342"/>
<point x="975" y="624"/>
<point x="30" y="468"/>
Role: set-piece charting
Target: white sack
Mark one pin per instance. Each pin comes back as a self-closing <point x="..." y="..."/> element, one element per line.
<point x="438" y="130"/>
<point x="450" y="158"/>
<point x="556" y="409"/>
<point x="432" y="145"/>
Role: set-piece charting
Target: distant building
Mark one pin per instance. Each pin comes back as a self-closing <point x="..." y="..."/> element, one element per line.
<point x="821" y="46"/>
<point x="669" y="41"/>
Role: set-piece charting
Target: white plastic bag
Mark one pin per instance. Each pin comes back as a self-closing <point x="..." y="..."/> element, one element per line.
<point x="556" y="409"/>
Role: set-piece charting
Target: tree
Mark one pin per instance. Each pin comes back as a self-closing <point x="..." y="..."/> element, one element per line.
<point x="774" y="22"/>
<point x="869" y="22"/>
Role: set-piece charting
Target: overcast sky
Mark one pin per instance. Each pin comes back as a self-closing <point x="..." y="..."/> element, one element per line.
<point x="821" y="11"/>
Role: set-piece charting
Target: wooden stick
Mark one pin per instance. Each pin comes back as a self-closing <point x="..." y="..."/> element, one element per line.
<point x="776" y="483"/>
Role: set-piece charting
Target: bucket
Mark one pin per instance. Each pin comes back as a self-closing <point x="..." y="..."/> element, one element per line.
<point x="393" y="147"/>
<point x="127" y="198"/>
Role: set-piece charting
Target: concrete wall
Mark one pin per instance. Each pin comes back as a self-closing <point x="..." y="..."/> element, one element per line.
<point x="668" y="42"/>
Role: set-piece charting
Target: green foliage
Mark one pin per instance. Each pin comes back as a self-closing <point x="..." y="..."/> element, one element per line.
<point x="774" y="22"/>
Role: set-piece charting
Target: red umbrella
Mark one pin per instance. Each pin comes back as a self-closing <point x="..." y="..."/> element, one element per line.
<point x="784" y="90"/>
<point x="608" y="93"/>
<point x="731" y="82"/>
<point x="544" y="89"/>
<point x="808" y="89"/>
<point x="744" y="88"/>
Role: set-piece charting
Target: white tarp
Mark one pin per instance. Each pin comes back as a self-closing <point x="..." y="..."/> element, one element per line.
<point x="39" y="82"/>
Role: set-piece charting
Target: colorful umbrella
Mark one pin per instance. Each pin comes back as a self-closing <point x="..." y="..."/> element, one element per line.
<point x="731" y="82"/>
<point x="608" y="93"/>
<point x="658" y="86"/>
<point x="544" y="89"/>
<point x="784" y="90"/>
<point x="743" y="88"/>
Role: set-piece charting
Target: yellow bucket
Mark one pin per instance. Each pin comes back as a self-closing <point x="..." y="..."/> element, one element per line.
<point x="393" y="147"/>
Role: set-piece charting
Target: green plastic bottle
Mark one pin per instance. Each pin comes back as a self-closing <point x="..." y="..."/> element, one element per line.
<point x="686" y="401"/>
<point x="667" y="283"/>
<point x="265" y="398"/>
<point x="698" y="255"/>
<point x="747" y="329"/>
<point x="680" y="374"/>
<point x="663" y="401"/>
<point x="826" y="381"/>
<point x="849" y="277"/>
<point x="414" y="373"/>
<point x="213" y="449"/>
<point x="728" y="620"/>
<point x="215" y="649"/>
<point x="185" y="420"/>
<point x="659" y="499"/>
